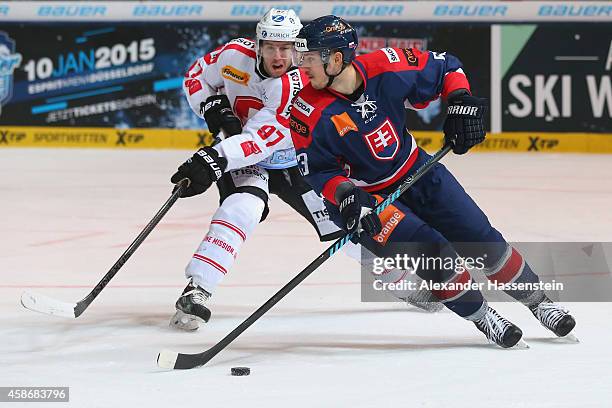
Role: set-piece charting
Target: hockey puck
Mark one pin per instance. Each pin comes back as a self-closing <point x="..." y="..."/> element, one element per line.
<point x="240" y="371"/>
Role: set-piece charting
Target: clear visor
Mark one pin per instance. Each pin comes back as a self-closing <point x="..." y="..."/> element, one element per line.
<point x="270" y="50"/>
<point x="309" y="59"/>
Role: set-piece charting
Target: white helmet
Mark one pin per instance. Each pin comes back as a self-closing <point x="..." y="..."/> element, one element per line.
<point x="276" y="25"/>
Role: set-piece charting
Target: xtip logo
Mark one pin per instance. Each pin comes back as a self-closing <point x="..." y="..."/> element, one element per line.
<point x="124" y="138"/>
<point x="7" y="137"/>
<point x="423" y="141"/>
<point x="9" y="61"/>
<point x="202" y="140"/>
<point x="536" y="144"/>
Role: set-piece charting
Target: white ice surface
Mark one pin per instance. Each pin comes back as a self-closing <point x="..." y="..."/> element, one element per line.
<point x="67" y="215"/>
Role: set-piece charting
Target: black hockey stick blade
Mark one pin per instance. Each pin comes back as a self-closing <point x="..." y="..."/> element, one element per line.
<point x="43" y="304"/>
<point x="179" y="361"/>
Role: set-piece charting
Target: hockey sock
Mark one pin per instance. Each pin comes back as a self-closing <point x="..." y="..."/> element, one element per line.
<point x="512" y="268"/>
<point x="449" y="281"/>
<point x="231" y="224"/>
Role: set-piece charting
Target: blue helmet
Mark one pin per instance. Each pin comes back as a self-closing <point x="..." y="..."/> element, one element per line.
<point x="326" y="34"/>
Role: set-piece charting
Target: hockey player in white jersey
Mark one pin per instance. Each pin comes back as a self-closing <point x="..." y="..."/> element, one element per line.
<point x="244" y="89"/>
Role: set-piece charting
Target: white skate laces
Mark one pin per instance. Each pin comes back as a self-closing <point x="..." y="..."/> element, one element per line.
<point x="493" y="325"/>
<point x="555" y="318"/>
<point x="190" y="308"/>
<point x="550" y="314"/>
<point x="499" y="330"/>
<point x="198" y="295"/>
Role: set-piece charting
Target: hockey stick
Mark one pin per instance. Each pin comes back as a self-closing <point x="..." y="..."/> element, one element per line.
<point x="47" y="305"/>
<point x="173" y="360"/>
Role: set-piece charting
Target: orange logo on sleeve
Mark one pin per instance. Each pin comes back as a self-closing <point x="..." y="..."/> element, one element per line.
<point x="235" y="75"/>
<point x="343" y="123"/>
<point x="390" y="218"/>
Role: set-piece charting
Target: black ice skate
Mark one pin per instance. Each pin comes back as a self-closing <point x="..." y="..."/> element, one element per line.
<point x="555" y="318"/>
<point x="499" y="330"/>
<point x="190" y="308"/>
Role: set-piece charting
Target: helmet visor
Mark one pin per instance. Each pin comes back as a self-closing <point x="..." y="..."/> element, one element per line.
<point x="270" y="50"/>
<point x="309" y="59"/>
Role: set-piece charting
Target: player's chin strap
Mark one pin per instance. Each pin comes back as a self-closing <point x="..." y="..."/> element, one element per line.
<point x="332" y="77"/>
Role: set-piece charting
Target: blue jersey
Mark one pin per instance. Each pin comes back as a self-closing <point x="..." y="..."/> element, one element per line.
<point x="366" y="141"/>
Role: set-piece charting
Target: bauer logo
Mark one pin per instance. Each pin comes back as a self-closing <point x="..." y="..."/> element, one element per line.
<point x="371" y="10"/>
<point x="470" y="10"/>
<point x="71" y="11"/>
<point x="177" y="10"/>
<point x="9" y="61"/>
<point x="252" y="9"/>
<point x="575" y="10"/>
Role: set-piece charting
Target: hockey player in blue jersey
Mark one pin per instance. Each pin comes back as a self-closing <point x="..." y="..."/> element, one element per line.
<point x="348" y="128"/>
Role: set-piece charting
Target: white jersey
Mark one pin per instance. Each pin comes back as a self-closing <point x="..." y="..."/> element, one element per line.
<point x="261" y="104"/>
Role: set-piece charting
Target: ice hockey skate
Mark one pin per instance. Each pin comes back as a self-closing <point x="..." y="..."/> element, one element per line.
<point x="500" y="330"/>
<point x="190" y="308"/>
<point x="555" y="318"/>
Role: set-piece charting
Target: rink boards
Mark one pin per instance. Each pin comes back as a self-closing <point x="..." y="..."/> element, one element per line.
<point x="110" y="138"/>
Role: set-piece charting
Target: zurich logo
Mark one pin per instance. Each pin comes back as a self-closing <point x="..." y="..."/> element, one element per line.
<point x="9" y="60"/>
<point x="278" y="18"/>
<point x="264" y="33"/>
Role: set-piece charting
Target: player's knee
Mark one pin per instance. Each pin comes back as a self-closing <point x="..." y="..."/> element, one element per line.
<point x="241" y="209"/>
<point x="488" y="247"/>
